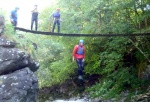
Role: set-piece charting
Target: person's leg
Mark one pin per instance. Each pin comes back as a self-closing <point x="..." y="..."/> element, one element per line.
<point x="58" y="24"/>
<point x="80" y="64"/>
<point x="15" y="23"/>
<point x="36" y="24"/>
<point x="32" y="21"/>
<point x="54" y="26"/>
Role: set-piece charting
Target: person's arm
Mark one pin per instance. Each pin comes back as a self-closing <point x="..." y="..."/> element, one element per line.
<point x="33" y="10"/>
<point x="73" y="58"/>
<point x="74" y="52"/>
<point x="60" y="19"/>
<point x="84" y="51"/>
<point x="51" y="16"/>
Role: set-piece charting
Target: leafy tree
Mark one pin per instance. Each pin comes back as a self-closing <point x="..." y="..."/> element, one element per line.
<point x="119" y="60"/>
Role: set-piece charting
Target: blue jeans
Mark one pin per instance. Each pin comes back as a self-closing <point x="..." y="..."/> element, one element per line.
<point x="58" y="25"/>
<point x="80" y="63"/>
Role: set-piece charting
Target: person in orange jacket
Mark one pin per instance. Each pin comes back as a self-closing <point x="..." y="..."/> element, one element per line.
<point x="79" y="55"/>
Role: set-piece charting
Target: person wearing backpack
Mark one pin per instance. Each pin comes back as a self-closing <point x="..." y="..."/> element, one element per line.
<point x="79" y="55"/>
<point x="34" y="18"/>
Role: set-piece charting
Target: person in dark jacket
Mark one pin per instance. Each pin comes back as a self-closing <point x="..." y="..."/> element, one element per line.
<point x="14" y="17"/>
<point x="34" y="18"/>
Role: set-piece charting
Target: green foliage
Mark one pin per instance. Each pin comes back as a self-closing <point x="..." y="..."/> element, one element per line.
<point x="9" y="30"/>
<point x="113" y="84"/>
<point x="104" y="55"/>
<point x="2" y="12"/>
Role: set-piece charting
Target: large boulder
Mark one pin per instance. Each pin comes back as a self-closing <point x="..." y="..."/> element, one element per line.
<point x="19" y="86"/>
<point x="12" y="59"/>
<point x="6" y="43"/>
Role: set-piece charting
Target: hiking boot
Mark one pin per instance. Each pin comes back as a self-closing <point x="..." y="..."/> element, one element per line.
<point x="80" y="77"/>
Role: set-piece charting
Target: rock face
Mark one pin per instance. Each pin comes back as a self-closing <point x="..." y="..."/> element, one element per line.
<point x="12" y="59"/>
<point x="19" y="86"/>
<point x="2" y="21"/>
<point x="142" y="97"/>
<point x="18" y="83"/>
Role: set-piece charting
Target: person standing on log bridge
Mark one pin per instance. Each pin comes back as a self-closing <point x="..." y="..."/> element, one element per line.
<point x="34" y="18"/>
<point x="14" y="17"/>
<point x="57" y="20"/>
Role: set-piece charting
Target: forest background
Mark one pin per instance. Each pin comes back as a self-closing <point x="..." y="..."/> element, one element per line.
<point x="119" y="61"/>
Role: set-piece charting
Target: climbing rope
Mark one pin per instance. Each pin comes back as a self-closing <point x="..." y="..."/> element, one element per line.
<point x="78" y="35"/>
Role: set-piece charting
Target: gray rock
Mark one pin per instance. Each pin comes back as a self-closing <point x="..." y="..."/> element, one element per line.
<point x="19" y="86"/>
<point x="2" y="22"/>
<point x="12" y="59"/>
<point x="141" y="98"/>
<point x="6" y="43"/>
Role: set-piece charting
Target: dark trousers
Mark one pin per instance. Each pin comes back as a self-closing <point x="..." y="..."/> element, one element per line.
<point x="14" y="23"/>
<point x="36" y="23"/>
<point x="80" y="64"/>
<point x="58" y="25"/>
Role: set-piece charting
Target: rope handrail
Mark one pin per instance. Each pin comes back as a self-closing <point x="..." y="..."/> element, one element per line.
<point x="78" y="35"/>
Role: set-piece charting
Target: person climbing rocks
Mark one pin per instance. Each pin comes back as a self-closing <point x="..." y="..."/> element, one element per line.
<point x="34" y="18"/>
<point x="14" y="17"/>
<point x="79" y="55"/>
<point x="57" y="20"/>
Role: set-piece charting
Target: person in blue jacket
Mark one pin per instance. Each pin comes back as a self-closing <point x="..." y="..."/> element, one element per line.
<point x="14" y="17"/>
<point x="56" y="16"/>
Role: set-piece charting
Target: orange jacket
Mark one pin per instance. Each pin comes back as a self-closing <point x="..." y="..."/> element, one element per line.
<point x="77" y="56"/>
